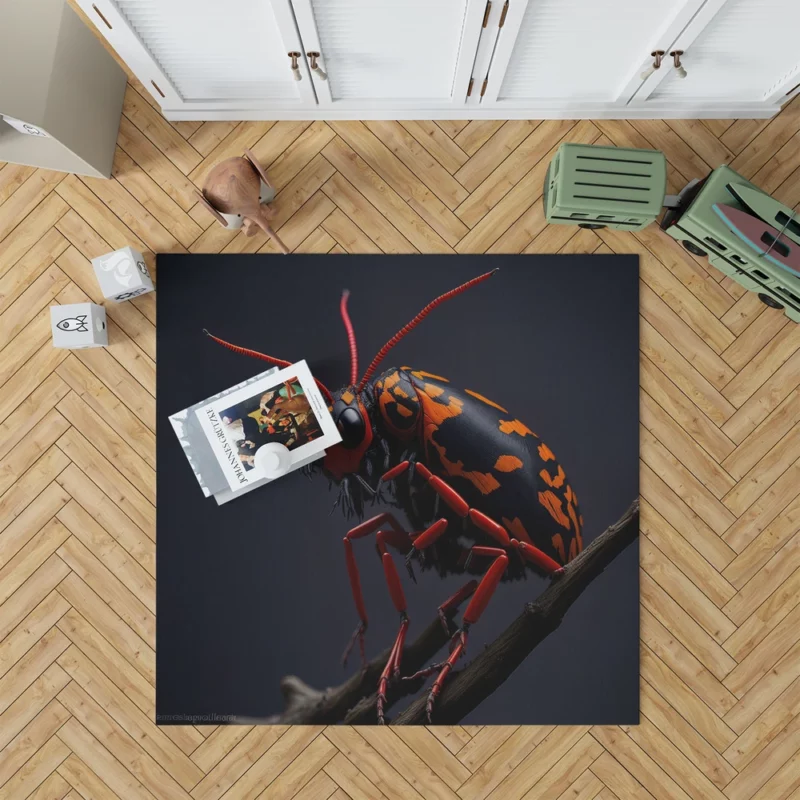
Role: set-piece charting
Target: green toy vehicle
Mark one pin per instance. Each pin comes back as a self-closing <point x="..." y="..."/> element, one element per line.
<point x="744" y="232"/>
<point x="598" y="187"/>
<point x="702" y="231"/>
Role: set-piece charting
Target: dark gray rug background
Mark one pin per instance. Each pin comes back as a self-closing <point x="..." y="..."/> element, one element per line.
<point x="258" y="589"/>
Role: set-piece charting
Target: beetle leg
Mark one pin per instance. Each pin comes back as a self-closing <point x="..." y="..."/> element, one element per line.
<point x="394" y="472"/>
<point x="480" y="599"/>
<point x="425" y="539"/>
<point x="455" y="600"/>
<point x="392" y="668"/>
<point x="458" y="504"/>
<point x="402" y="543"/>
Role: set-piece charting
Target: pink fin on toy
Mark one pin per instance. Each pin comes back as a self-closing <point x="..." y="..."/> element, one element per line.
<point x="767" y="208"/>
<point x="764" y="239"/>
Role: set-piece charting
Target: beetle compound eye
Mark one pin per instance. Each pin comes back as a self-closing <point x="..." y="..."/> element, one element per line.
<point x="351" y="426"/>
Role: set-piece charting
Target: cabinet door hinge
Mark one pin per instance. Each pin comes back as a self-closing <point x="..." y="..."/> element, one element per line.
<point x="487" y="12"/>
<point x="469" y="88"/>
<point x="483" y="88"/>
<point x="503" y="15"/>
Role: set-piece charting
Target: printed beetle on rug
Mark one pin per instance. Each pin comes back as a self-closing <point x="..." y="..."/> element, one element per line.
<point x="485" y="496"/>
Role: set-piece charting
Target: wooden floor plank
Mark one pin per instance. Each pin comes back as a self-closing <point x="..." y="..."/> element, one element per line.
<point x="437" y="143"/>
<point x="422" y="218"/>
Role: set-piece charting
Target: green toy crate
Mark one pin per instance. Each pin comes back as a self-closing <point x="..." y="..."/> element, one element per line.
<point x="597" y="187"/>
<point x="699" y="228"/>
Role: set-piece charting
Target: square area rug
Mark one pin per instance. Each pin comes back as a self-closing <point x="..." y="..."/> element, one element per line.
<point x="516" y="406"/>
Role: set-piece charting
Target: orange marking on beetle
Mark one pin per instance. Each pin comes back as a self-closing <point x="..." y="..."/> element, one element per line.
<point x="392" y="380"/>
<point x="436" y="413"/>
<point x="558" y="545"/>
<point x="556" y="482"/>
<point x="515" y="426"/>
<point x="545" y="453"/>
<point x="420" y="374"/>
<point x="553" y="505"/>
<point x="507" y="464"/>
<point x="385" y="400"/>
<point x="348" y="396"/>
<point x="485" y="400"/>
<point x="404" y="412"/>
<point x="399" y="392"/>
<point x="574" y="518"/>
<point x="432" y="391"/>
<point x="517" y="529"/>
<point x="573" y="549"/>
<point x="484" y="482"/>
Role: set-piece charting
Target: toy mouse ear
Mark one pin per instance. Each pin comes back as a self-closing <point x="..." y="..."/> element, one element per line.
<point x="257" y="167"/>
<point x="213" y="211"/>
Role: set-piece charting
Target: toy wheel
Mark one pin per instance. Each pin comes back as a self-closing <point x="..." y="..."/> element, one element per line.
<point x="769" y="301"/>
<point x="592" y="226"/>
<point x="693" y="248"/>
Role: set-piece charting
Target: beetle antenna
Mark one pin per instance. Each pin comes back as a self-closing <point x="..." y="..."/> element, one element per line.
<point x="414" y="322"/>
<point x="245" y="351"/>
<point x="351" y="337"/>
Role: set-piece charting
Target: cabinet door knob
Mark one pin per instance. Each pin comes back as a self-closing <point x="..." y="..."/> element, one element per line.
<point x="315" y="68"/>
<point x="676" y="59"/>
<point x="295" y="66"/>
<point x="657" y="56"/>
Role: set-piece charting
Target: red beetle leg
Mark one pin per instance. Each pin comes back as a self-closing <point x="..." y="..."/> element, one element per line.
<point x="392" y="668"/>
<point x="422" y="540"/>
<point x="447" y="666"/>
<point x="395" y="537"/>
<point x="486" y="524"/>
<point x="536" y="556"/>
<point x="486" y="587"/>
<point x="371" y="525"/>
<point x="395" y="472"/>
<point x="454" y="601"/>
<point x="430" y="534"/>
<point x="477" y="605"/>
<point x="398" y="539"/>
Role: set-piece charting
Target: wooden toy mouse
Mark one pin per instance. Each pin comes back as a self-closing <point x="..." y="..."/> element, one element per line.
<point x="236" y="192"/>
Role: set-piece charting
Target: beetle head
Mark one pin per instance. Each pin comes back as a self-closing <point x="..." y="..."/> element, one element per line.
<point x="350" y="408"/>
<point x="352" y="420"/>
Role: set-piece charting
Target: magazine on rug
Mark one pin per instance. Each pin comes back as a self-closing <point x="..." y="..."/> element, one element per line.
<point x="197" y="448"/>
<point x="285" y="407"/>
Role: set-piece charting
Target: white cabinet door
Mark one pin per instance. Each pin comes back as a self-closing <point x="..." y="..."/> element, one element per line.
<point x="207" y="54"/>
<point x="563" y="54"/>
<point x="735" y="51"/>
<point x="391" y="54"/>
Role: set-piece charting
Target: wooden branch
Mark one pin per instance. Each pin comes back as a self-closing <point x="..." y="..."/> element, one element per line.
<point x="465" y="690"/>
<point x="353" y="702"/>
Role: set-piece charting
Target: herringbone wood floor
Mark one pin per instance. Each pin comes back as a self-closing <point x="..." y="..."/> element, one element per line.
<point x="720" y="466"/>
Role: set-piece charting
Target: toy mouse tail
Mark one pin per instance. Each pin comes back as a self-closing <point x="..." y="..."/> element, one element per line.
<point x="267" y="228"/>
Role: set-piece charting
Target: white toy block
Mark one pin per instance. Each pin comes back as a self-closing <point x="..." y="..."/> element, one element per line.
<point x="122" y="274"/>
<point x="78" y="325"/>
